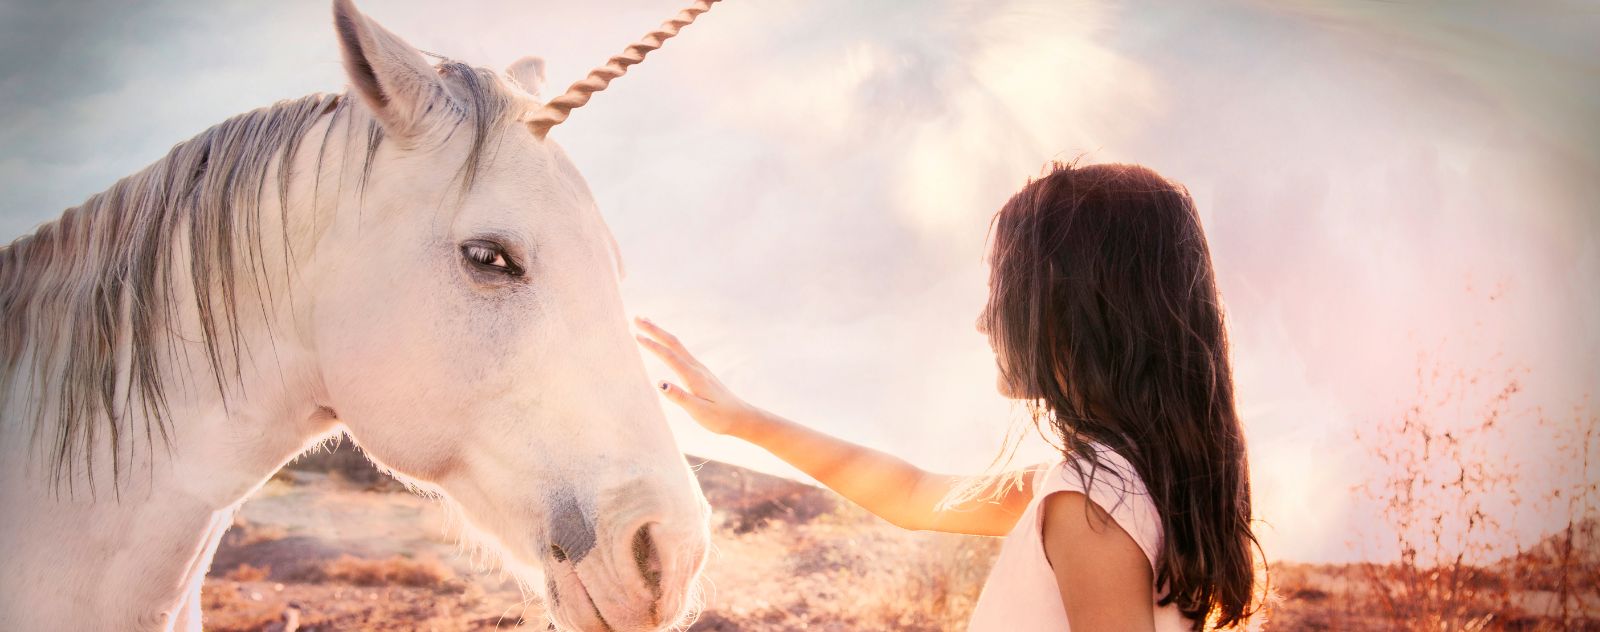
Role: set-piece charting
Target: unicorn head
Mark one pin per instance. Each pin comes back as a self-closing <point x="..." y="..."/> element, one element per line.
<point x="470" y="334"/>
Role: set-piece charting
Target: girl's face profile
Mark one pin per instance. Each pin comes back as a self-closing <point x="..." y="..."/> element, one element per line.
<point x="1001" y="384"/>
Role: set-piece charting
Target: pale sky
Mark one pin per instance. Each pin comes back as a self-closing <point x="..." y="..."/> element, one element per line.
<point x="801" y="188"/>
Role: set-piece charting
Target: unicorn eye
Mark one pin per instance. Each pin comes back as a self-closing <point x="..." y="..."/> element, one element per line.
<point x="489" y="256"/>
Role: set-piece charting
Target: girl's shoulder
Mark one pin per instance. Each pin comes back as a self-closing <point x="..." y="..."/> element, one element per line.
<point x="1112" y="484"/>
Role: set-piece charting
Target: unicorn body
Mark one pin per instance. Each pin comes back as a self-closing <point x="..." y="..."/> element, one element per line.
<point x="413" y="263"/>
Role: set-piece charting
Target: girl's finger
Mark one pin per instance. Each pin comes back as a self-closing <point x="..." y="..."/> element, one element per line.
<point x="690" y="402"/>
<point x="666" y="338"/>
<point x="684" y="368"/>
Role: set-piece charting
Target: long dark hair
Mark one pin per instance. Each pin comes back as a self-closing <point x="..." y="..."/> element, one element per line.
<point x="1104" y="312"/>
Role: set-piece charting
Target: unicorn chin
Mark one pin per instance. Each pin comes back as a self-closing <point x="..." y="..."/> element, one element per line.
<point x="430" y="274"/>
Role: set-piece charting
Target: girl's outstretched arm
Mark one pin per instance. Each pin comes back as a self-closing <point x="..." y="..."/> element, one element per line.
<point x="883" y="484"/>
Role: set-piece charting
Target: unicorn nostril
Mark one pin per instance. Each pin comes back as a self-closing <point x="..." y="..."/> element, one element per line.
<point x="557" y="552"/>
<point x="647" y="559"/>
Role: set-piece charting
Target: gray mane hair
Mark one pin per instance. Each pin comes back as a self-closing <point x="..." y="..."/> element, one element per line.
<point x="87" y="300"/>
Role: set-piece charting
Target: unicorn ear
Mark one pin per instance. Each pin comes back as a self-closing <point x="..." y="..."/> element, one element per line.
<point x="528" y="73"/>
<point x="391" y="76"/>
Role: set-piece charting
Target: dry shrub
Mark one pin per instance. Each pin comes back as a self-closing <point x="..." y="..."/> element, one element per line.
<point x="1567" y="564"/>
<point x="248" y="573"/>
<point x="1299" y="582"/>
<point x="940" y="579"/>
<point x="1448" y="495"/>
<point x="349" y="569"/>
<point x="1303" y="597"/>
<point x="245" y="533"/>
<point x="845" y="571"/>
<point x="748" y="501"/>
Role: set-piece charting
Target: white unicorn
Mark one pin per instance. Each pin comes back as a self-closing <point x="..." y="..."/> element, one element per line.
<point x="412" y="262"/>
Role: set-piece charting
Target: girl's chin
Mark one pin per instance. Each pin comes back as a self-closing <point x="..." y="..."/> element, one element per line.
<point x="1006" y="389"/>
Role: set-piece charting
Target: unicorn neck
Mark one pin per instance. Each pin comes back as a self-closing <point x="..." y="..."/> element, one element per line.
<point x="153" y="371"/>
<point x="135" y="559"/>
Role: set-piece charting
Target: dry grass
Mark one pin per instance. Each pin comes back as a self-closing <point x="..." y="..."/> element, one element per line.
<point x="349" y="569"/>
<point x="262" y="607"/>
<point x="248" y="573"/>
<point x="245" y="533"/>
<point x="233" y="610"/>
<point x="843" y="571"/>
<point x="792" y="557"/>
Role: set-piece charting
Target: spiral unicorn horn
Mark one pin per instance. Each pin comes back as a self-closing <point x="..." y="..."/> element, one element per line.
<point x="578" y="94"/>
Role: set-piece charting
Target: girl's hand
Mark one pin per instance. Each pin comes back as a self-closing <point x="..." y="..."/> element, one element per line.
<point x="705" y="398"/>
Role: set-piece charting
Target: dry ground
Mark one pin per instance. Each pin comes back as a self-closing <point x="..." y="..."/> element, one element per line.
<point x="331" y="544"/>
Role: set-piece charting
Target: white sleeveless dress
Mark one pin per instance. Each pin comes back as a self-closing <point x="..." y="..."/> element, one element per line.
<point x="1021" y="594"/>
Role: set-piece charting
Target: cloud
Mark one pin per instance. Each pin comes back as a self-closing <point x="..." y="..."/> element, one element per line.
<point x="802" y="189"/>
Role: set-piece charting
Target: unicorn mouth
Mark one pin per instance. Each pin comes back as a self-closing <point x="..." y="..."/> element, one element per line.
<point x="570" y="599"/>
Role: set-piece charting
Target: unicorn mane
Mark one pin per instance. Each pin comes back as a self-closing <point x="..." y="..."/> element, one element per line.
<point x="87" y="304"/>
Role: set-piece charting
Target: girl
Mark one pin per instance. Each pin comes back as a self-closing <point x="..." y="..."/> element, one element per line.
<point x="1104" y="318"/>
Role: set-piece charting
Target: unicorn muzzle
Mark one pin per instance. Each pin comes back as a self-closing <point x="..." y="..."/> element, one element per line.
<point x="631" y="574"/>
